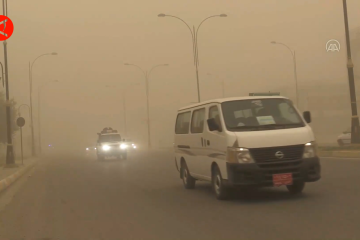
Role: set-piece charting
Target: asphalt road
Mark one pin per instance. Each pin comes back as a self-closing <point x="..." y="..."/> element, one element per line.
<point x="75" y="198"/>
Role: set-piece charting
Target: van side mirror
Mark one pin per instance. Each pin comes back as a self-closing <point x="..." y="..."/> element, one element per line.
<point x="307" y="116"/>
<point x="213" y="126"/>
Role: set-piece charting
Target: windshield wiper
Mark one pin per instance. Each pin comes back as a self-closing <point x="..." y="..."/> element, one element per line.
<point x="281" y="125"/>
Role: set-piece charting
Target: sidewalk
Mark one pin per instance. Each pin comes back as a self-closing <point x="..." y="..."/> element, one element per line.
<point x="10" y="175"/>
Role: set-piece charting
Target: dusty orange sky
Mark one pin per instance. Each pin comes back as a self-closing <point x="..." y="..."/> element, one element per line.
<point x="95" y="38"/>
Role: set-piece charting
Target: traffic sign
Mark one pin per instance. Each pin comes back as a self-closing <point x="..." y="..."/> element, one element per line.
<point x="265" y="94"/>
<point x="6" y="28"/>
<point x="20" y="121"/>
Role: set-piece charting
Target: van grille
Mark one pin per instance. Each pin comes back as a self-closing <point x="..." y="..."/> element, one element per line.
<point x="262" y="155"/>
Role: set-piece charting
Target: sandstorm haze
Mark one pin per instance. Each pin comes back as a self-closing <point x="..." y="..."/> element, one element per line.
<point x="94" y="39"/>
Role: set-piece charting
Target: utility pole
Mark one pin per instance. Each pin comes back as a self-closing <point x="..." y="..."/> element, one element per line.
<point x="124" y="111"/>
<point x="355" y="133"/>
<point x="10" y="160"/>
<point x="295" y="69"/>
<point x="33" y="151"/>
<point x="147" y="108"/>
<point x="31" y="105"/>
<point x="147" y="75"/>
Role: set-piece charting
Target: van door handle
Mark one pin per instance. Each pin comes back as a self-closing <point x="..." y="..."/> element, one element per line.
<point x="208" y="142"/>
<point x="202" y="142"/>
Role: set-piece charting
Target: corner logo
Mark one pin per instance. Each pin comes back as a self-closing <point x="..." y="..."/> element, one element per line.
<point x="6" y="28"/>
<point x="333" y="46"/>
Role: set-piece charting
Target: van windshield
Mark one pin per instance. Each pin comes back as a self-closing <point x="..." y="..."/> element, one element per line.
<point x="260" y="114"/>
<point x="110" y="138"/>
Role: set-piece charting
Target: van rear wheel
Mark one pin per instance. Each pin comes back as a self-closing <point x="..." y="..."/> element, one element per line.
<point x="188" y="180"/>
<point x="221" y="191"/>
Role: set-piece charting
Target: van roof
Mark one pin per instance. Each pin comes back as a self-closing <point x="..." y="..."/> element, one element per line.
<point x="110" y="133"/>
<point x="221" y="100"/>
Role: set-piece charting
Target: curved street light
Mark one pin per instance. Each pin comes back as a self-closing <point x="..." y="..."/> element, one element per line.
<point x="147" y="75"/>
<point x="39" y="105"/>
<point x="31" y="105"/>
<point x="194" y="37"/>
<point x="295" y="73"/>
<point x="23" y="105"/>
<point x="123" y="93"/>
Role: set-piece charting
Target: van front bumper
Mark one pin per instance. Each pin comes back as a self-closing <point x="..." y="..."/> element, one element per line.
<point x="261" y="174"/>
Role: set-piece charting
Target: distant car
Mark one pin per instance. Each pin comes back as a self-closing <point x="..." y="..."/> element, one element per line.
<point x="344" y="138"/>
<point x="110" y="144"/>
<point x="130" y="144"/>
<point x="90" y="149"/>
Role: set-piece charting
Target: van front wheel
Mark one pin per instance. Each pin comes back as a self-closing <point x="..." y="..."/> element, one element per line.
<point x="296" y="188"/>
<point x="188" y="180"/>
<point x="221" y="191"/>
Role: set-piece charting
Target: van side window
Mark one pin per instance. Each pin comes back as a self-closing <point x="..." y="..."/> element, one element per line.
<point x="288" y="112"/>
<point x="214" y="113"/>
<point x="197" y="121"/>
<point x="182" y="123"/>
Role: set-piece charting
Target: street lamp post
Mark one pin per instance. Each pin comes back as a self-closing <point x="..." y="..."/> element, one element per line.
<point x="147" y="75"/>
<point x="123" y="93"/>
<point x="295" y="71"/>
<point x="222" y="84"/>
<point x="10" y="160"/>
<point x="23" y="105"/>
<point x="31" y="105"/>
<point x="355" y="131"/>
<point x="194" y="37"/>
<point x="39" y="108"/>
<point x="2" y="74"/>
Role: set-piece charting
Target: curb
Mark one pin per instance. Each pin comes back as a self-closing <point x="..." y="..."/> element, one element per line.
<point x="340" y="154"/>
<point x="5" y="183"/>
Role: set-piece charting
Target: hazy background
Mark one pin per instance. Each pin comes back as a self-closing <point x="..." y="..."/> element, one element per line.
<point x="95" y="38"/>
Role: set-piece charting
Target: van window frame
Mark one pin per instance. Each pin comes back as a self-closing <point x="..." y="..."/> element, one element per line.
<point x="177" y="117"/>
<point x="192" y="117"/>
<point x="218" y="109"/>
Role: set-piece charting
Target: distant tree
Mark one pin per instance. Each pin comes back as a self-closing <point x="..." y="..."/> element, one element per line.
<point x="3" y="125"/>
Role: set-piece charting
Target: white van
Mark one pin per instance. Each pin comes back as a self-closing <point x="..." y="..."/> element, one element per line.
<point x="245" y="142"/>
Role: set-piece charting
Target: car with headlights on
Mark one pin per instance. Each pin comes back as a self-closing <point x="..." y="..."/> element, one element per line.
<point x="246" y="142"/>
<point x="90" y="150"/>
<point x="110" y="144"/>
<point x="130" y="144"/>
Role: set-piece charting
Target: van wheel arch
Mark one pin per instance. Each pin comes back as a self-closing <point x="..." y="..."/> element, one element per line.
<point x="213" y="167"/>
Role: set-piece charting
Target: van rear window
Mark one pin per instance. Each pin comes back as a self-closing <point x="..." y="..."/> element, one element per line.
<point x="182" y="123"/>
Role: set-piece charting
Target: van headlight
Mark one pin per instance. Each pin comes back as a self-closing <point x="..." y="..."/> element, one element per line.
<point x="105" y="147"/>
<point x="310" y="150"/>
<point x="123" y="146"/>
<point x="239" y="155"/>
